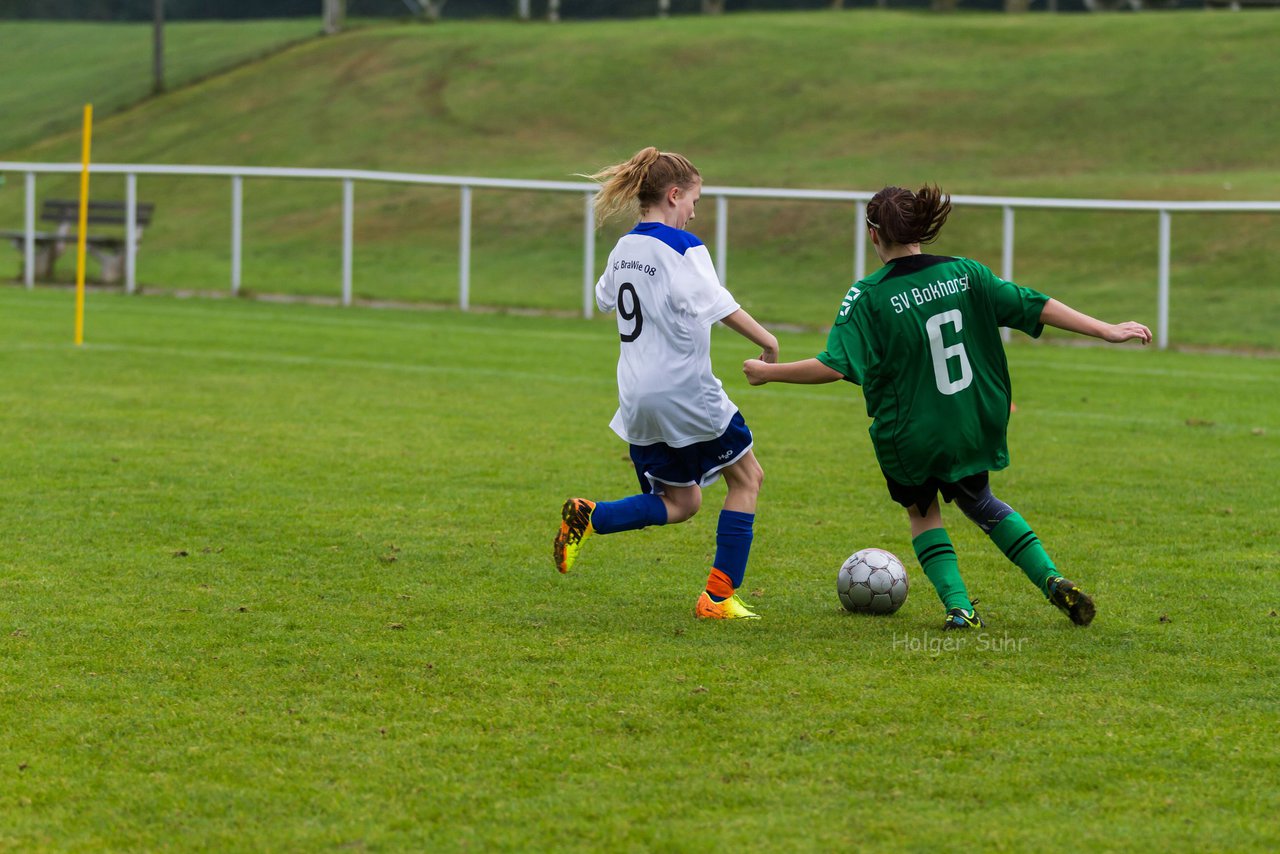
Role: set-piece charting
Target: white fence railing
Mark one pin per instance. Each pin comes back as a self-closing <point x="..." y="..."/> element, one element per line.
<point x="348" y="178"/>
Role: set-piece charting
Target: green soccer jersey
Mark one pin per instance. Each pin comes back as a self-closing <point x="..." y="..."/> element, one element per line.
<point x="921" y="336"/>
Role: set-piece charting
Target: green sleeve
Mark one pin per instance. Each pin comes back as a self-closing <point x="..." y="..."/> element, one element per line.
<point x="1016" y="307"/>
<point x="845" y="347"/>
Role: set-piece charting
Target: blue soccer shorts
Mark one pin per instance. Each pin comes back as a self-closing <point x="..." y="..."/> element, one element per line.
<point x="661" y="465"/>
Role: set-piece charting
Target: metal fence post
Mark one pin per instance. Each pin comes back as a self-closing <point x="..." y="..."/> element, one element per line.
<point x="237" y="230"/>
<point x="130" y="233"/>
<point x="348" y="227"/>
<point x="29" y="236"/>
<point x="1162" y="290"/>
<point x="588" y="253"/>
<point x="722" y="239"/>
<point x="860" y="243"/>
<point x="464" y="250"/>
<point x="1006" y="260"/>
<point x="1006" y="255"/>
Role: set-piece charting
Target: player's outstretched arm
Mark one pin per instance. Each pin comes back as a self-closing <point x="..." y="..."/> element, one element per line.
<point x="746" y="326"/>
<point x="807" y="371"/>
<point x="1063" y="316"/>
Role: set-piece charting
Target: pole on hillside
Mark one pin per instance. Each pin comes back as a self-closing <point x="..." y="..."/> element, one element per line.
<point x="333" y="14"/>
<point x="157" y="47"/>
<point x="524" y="10"/>
<point x="83" y="222"/>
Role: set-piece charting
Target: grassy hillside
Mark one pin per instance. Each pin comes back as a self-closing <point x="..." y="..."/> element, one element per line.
<point x="1138" y="106"/>
<point x="62" y="66"/>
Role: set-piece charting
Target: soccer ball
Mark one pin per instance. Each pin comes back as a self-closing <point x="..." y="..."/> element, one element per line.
<point x="872" y="581"/>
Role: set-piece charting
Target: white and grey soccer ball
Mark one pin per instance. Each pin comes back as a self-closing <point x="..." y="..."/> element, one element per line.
<point x="872" y="581"/>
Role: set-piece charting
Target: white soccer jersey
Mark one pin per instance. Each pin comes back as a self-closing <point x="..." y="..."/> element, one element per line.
<point x="662" y="284"/>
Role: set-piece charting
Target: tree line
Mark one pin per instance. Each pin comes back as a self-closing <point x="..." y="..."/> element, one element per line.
<point x="180" y="10"/>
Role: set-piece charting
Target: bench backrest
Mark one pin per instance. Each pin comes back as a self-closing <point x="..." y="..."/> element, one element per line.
<point x="100" y="213"/>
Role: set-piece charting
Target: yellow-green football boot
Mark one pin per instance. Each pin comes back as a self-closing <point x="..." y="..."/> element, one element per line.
<point x="575" y="527"/>
<point x="732" y="608"/>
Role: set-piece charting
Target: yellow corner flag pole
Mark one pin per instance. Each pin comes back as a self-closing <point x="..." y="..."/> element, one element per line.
<point x="84" y="222"/>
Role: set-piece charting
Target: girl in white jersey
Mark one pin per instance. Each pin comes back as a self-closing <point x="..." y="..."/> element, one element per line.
<point x="683" y="430"/>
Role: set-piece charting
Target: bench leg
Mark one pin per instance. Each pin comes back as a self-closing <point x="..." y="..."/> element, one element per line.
<point x="110" y="262"/>
<point x="45" y="257"/>
<point x="112" y="266"/>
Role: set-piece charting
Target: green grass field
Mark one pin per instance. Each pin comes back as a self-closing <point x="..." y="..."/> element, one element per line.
<point x="279" y="578"/>
<point x="1159" y="106"/>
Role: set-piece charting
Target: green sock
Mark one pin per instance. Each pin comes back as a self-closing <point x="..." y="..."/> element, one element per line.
<point x="938" y="558"/>
<point x="1020" y="544"/>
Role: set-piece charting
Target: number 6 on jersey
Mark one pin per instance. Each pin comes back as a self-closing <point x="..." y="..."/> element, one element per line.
<point x="941" y="355"/>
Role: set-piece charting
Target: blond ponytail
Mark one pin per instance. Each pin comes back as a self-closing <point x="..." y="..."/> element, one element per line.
<point x="641" y="182"/>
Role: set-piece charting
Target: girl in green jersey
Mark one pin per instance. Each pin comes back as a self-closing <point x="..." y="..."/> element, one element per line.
<point x="921" y="335"/>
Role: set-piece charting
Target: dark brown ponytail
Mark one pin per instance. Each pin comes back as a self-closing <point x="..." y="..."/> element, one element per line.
<point x="903" y="217"/>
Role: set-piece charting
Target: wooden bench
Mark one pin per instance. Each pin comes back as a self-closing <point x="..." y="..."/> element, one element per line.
<point x="108" y="249"/>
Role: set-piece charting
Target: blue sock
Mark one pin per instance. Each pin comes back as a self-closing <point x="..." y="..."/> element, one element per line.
<point x="733" y="544"/>
<point x="628" y="514"/>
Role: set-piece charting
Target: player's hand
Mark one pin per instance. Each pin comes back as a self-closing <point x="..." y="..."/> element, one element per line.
<point x="755" y="369"/>
<point x="770" y="353"/>
<point x="1128" y="331"/>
